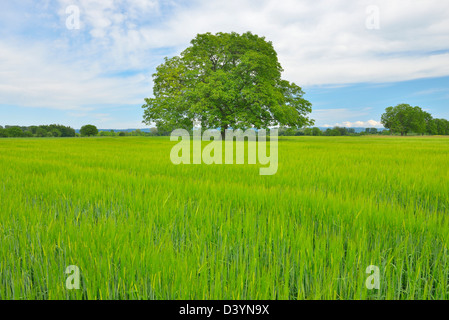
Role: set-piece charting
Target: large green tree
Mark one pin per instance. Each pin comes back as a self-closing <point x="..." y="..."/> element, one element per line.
<point x="226" y="80"/>
<point x="404" y="119"/>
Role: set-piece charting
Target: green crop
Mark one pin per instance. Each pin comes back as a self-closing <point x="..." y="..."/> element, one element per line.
<point x="139" y="227"/>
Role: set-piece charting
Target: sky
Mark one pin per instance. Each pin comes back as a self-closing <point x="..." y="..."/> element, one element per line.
<point x="77" y="62"/>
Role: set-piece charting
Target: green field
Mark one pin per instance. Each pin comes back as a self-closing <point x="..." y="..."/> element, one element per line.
<point x="139" y="227"/>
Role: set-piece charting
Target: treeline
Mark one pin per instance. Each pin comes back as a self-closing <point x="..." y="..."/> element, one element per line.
<point x="438" y="127"/>
<point x="56" y="131"/>
<point x="136" y="133"/>
<point x="44" y="131"/>
<point x="404" y="119"/>
<point x="331" y="132"/>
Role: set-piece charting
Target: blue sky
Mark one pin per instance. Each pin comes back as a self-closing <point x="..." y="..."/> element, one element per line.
<point x="353" y="59"/>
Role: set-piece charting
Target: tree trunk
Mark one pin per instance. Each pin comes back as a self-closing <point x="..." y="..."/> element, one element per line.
<point x="223" y="131"/>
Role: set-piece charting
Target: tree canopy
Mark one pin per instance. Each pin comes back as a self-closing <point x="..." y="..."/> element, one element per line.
<point x="404" y="119"/>
<point x="53" y="130"/>
<point x="226" y="80"/>
<point x="88" y="130"/>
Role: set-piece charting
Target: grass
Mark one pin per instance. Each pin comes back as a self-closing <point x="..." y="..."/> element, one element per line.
<point x="139" y="227"/>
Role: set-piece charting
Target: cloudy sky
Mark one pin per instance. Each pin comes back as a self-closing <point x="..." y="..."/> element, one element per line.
<point x="353" y="58"/>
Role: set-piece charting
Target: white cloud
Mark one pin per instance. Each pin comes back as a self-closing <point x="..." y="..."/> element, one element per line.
<point x="36" y="81"/>
<point x="431" y="91"/>
<point x="318" y="42"/>
<point x="327" y="42"/>
<point x="338" y="115"/>
<point x="356" y="124"/>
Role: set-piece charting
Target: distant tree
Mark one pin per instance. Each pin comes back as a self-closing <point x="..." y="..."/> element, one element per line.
<point x="55" y="130"/>
<point x="371" y="131"/>
<point x="286" y="131"/>
<point x="404" y="119"/>
<point x="282" y="130"/>
<point x="332" y="132"/>
<point x="89" y="130"/>
<point x="446" y="126"/>
<point x="56" y="133"/>
<point x="14" y="132"/>
<point x="342" y="131"/>
<point x="442" y="126"/>
<point x="290" y="132"/>
<point x="317" y="131"/>
<point x="336" y="132"/>
<point x="419" y="121"/>
<point x="122" y="134"/>
<point x="431" y="126"/>
<point x="153" y="131"/>
<point x="308" y="131"/>
<point x="40" y="132"/>
<point x="33" y="129"/>
<point x="65" y="131"/>
<point x="110" y="133"/>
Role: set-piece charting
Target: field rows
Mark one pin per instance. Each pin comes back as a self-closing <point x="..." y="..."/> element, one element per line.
<point x="139" y="227"/>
